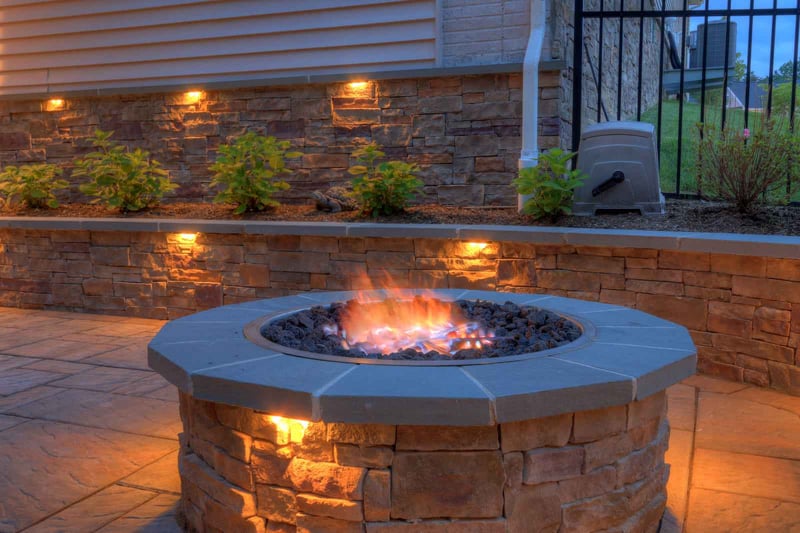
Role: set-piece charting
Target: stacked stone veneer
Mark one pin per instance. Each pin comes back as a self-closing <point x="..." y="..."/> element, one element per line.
<point x="481" y="33"/>
<point x="464" y="131"/>
<point x="587" y="471"/>
<point x="743" y="311"/>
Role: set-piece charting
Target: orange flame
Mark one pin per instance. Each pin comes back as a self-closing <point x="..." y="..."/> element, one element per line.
<point x="423" y="323"/>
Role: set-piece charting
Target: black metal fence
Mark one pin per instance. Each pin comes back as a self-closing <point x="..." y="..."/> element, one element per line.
<point x="677" y="63"/>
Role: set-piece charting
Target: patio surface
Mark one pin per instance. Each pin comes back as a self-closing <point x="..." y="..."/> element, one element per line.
<point x="88" y="437"/>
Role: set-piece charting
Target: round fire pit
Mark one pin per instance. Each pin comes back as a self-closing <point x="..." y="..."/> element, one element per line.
<point x="281" y="439"/>
<point x="423" y="328"/>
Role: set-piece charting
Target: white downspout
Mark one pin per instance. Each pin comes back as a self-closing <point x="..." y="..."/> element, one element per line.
<point x="530" y="92"/>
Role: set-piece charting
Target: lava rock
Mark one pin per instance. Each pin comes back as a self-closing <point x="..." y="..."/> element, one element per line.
<point x="516" y="329"/>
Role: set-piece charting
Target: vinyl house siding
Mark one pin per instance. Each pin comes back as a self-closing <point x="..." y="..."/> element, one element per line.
<point x="64" y="46"/>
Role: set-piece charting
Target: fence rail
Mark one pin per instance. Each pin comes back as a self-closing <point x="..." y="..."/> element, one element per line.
<point x="676" y="63"/>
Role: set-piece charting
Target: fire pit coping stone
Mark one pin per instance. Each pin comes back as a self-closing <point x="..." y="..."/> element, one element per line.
<point x="623" y="355"/>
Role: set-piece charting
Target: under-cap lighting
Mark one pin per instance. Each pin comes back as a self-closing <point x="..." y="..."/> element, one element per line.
<point x="54" y="104"/>
<point x="358" y="89"/>
<point x="476" y="246"/>
<point x="192" y="97"/>
<point x="288" y="429"/>
<point x="187" y="238"/>
<point x="475" y="249"/>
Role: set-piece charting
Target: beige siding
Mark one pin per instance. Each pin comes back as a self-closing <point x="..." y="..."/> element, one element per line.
<point x="57" y="46"/>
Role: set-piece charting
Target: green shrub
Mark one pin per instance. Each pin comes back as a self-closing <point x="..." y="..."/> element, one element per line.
<point x="33" y="185"/>
<point x="385" y="188"/>
<point x="747" y="167"/>
<point x="124" y="179"/>
<point x="551" y="185"/>
<point x="249" y="169"/>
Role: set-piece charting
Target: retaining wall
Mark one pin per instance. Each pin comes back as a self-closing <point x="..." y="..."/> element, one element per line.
<point x="738" y="295"/>
<point x="463" y="131"/>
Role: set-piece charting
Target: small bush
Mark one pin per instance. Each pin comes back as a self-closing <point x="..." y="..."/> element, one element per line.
<point x="551" y="185"/>
<point x="249" y="169"/>
<point x="33" y="185"/>
<point x="129" y="181"/>
<point x="747" y="167"/>
<point x="385" y="188"/>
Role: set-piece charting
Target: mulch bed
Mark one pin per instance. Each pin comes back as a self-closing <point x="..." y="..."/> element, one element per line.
<point x="682" y="215"/>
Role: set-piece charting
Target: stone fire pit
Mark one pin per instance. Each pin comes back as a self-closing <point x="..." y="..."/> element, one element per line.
<point x="280" y="440"/>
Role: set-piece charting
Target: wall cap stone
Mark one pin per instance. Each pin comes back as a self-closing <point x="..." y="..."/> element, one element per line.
<point x="501" y="68"/>
<point x="622" y="356"/>
<point x="779" y="246"/>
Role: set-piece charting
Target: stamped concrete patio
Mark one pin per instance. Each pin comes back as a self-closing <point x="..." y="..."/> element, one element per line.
<point x="88" y="437"/>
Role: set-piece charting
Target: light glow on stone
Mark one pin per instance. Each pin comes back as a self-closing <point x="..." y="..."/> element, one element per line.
<point x="192" y="97"/>
<point x="475" y="247"/>
<point x="289" y="429"/>
<point x="187" y="238"/>
<point x="358" y="89"/>
<point x="55" y="104"/>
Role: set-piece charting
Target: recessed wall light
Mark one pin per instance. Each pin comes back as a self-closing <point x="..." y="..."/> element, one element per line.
<point x="55" y="104"/>
<point x="192" y="97"/>
<point x="187" y="238"/>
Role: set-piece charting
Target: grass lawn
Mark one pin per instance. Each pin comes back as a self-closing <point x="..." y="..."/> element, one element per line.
<point x="670" y="111"/>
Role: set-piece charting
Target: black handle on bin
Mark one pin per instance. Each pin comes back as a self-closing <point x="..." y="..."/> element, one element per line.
<point x="616" y="178"/>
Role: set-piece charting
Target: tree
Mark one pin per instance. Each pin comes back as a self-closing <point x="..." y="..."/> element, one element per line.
<point x="782" y="88"/>
<point x="784" y="73"/>
<point x="740" y="70"/>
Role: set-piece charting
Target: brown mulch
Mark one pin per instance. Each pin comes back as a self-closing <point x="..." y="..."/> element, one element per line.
<point x="682" y="215"/>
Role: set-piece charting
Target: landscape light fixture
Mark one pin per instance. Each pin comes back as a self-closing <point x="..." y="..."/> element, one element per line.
<point x="192" y="97"/>
<point x="55" y="104"/>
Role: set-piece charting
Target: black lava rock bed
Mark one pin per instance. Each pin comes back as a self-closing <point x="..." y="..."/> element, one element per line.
<point x="514" y="329"/>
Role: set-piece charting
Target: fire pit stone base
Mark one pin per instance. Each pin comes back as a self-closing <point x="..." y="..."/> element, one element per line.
<point x="569" y="439"/>
<point x="244" y="470"/>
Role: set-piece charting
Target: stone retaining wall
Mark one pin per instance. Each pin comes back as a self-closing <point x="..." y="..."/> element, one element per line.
<point x="242" y="470"/>
<point x="463" y="131"/>
<point x="743" y="310"/>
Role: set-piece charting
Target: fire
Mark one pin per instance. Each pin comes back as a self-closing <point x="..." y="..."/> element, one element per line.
<point x="395" y="324"/>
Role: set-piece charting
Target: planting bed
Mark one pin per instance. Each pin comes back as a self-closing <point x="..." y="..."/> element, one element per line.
<point x="681" y="215"/>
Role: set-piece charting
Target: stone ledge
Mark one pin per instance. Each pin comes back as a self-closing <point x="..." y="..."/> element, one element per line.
<point x="621" y="357"/>
<point x="721" y="243"/>
<point x="552" y="65"/>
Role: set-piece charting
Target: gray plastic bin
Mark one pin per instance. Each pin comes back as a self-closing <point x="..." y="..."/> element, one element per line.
<point x="608" y="149"/>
